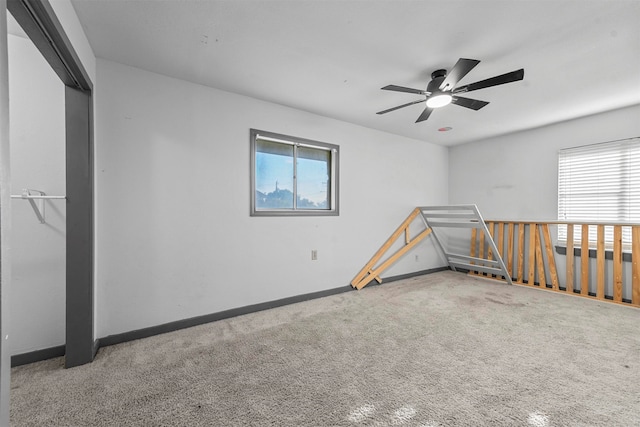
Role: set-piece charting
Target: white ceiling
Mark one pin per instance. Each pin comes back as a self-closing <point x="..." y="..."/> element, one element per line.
<point x="332" y="57"/>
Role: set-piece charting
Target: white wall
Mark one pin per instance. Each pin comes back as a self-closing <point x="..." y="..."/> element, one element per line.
<point x="37" y="162"/>
<point x="174" y="235"/>
<point x="515" y="177"/>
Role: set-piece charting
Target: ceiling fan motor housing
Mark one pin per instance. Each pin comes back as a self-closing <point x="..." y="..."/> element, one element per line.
<point x="436" y="80"/>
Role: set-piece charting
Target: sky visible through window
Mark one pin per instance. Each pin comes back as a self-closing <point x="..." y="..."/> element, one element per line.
<point x="275" y="172"/>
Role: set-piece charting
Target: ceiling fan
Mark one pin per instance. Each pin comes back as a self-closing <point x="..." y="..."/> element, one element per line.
<point x="441" y="89"/>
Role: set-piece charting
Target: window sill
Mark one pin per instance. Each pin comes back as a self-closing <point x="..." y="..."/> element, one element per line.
<point x="608" y="253"/>
<point x="294" y="213"/>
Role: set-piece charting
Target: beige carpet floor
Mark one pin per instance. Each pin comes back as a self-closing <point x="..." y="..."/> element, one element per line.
<point x="439" y="350"/>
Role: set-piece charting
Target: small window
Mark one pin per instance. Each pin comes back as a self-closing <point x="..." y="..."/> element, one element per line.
<point x="600" y="183"/>
<point x="292" y="176"/>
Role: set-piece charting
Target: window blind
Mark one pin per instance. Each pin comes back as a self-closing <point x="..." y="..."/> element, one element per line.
<point x="600" y="182"/>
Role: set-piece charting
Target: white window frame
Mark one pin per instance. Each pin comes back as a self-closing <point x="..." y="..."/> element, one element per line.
<point x="332" y="198"/>
<point x="599" y="184"/>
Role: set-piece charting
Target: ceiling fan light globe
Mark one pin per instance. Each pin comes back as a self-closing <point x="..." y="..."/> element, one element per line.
<point x="439" y="100"/>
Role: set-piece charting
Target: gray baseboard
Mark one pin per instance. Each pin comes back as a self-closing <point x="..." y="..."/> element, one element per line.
<point x="39" y="355"/>
<point x="410" y="275"/>
<point x="208" y="318"/>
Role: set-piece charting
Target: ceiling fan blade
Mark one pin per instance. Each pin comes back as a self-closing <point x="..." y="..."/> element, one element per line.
<point x="425" y="114"/>
<point x="474" y="104"/>
<point x="462" y="67"/>
<point x="400" y="106"/>
<point x="404" y="89"/>
<point x="493" y="81"/>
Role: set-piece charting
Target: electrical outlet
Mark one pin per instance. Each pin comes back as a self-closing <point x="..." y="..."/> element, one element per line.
<point x="314" y="254"/>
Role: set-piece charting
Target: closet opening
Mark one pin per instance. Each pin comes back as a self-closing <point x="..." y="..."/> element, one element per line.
<point x="41" y="25"/>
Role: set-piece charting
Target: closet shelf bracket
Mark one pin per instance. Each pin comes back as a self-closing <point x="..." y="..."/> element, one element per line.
<point x="36" y="198"/>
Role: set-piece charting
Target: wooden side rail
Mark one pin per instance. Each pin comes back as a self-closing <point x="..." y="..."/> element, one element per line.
<point x="530" y="257"/>
<point x="369" y="272"/>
